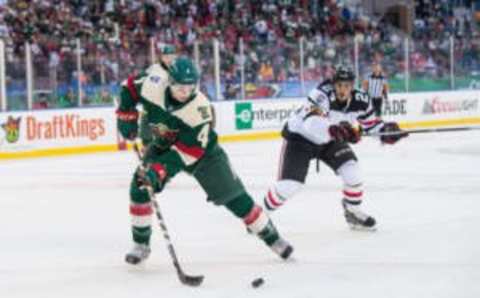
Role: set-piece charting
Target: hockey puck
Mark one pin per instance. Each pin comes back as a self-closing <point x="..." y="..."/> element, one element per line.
<point x="257" y="282"/>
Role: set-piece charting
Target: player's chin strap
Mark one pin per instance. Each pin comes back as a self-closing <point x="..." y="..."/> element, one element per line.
<point x="185" y="279"/>
<point x="425" y="130"/>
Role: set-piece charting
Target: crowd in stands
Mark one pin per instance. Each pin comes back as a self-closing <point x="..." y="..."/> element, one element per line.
<point x="436" y="21"/>
<point x="115" y="39"/>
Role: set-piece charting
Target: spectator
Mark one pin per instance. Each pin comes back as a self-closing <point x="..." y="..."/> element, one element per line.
<point x="67" y="100"/>
<point x="116" y="35"/>
<point x="265" y="72"/>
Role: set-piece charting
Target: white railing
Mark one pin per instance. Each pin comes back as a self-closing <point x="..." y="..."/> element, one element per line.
<point x="29" y="75"/>
<point x="353" y="56"/>
<point x="3" y="84"/>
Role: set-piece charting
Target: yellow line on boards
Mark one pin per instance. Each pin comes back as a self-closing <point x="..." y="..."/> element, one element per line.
<point x="252" y="136"/>
<point x="59" y="151"/>
<point x="440" y="123"/>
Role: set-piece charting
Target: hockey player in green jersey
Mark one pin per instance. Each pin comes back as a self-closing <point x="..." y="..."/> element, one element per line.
<point x="183" y="140"/>
<point x="168" y="54"/>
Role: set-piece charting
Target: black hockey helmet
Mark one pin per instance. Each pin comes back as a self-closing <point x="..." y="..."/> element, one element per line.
<point x="343" y="73"/>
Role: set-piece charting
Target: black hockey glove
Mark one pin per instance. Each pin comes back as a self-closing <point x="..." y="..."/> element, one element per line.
<point x="345" y="132"/>
<point x="397" y="133"/>
<point x="153" y="176"/>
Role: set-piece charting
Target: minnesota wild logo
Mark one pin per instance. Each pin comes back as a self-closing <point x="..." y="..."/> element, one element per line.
<point x="12" y="129"/>
<point x="162" y="131"/>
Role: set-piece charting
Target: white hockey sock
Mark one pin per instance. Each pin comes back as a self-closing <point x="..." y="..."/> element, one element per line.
<point x="352" y="182"/>
<point x="353" y="194"/>
<point x="280" y="192"/>
<point x="273" y="200"/>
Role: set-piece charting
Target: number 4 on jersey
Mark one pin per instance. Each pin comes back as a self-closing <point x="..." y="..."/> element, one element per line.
<point x="203" y="135"/>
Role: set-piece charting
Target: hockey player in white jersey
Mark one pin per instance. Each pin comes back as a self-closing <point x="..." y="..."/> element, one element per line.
<point x="335" y="115"/>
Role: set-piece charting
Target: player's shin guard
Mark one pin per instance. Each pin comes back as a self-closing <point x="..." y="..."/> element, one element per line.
<point x="273" y="200"/>
<point x="353" y="193"/>
<point x="141" y="216"/>
<point x="352" y="197"/>
<point x="351" y="202"/>
<point x="141" y="211"/>
<point x="260" y="224"/>
<point x="278" y="194"/>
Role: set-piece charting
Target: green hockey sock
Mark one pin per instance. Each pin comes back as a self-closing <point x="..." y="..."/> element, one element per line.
<point x="254" y="217"/>
<point x="142" y="235"/>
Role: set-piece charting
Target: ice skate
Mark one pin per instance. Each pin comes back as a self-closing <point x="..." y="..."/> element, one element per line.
<point x="282" y="248"/>
<point x="138" y="254"/>
<point x="356" y="219"/>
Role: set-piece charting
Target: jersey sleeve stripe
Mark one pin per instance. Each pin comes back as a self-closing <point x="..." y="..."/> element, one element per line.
<point x="131" y="88"/>
<point x="369" y="122"/>
<point x="193" y="151"/>
<point x="160" y="170"/>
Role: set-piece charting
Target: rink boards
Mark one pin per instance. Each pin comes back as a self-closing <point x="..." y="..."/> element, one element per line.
<point x="88" y="130"/>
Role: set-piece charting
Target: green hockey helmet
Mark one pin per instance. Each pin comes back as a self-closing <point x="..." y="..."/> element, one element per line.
<point x="184" y="72"/>
<point x="183" y="79"/>
<point x="168" y="53"/>
<point x="168" y="49"/>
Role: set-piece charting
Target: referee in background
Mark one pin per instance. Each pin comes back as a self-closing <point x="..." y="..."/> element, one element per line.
<point x="376" y="86"/>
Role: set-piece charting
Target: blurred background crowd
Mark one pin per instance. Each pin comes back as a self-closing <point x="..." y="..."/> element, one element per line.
<point x="273" y="48"/>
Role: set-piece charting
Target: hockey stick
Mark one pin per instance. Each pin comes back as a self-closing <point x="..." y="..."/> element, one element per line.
<point x="189" y="280"/>
<point x="425" y="130"/>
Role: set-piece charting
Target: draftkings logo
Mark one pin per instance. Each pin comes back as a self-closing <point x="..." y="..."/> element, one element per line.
<point x="243" y="115"/>
<point x="12" y="129"/>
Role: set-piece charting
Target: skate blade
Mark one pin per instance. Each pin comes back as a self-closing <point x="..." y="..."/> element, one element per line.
<point x="136" y="268"/>
<point x="132" y="261"/>
<point x="358" y="228"/>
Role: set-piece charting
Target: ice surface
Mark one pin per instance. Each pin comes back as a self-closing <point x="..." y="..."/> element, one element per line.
<point x="65" y="228"/>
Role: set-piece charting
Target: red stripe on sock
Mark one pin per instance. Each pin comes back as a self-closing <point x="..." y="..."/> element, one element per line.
<point x="253" y="215"/>
<point x="353" y="194"/>
<point x="141" y="210"/>
<point x="271" y="199"/>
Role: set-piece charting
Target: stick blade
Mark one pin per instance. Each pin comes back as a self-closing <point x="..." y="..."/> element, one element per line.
<point x="192" y="281"/>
